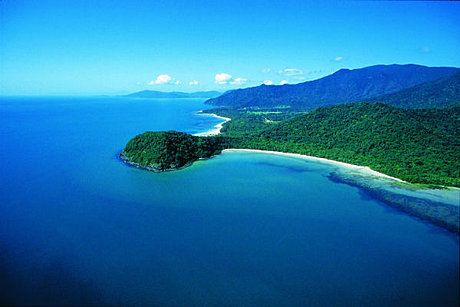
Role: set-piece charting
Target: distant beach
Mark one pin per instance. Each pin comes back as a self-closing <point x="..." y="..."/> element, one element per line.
<point x="217" y="127"/>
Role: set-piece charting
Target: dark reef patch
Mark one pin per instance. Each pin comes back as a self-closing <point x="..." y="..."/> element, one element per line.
<point x="437" y="213"/>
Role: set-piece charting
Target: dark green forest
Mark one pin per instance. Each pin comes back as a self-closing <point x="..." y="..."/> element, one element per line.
<point x="418" y="146"/>
<point x="169" y="149"/>
<point x="415" y="145"/>
<point x="440" y="93"/>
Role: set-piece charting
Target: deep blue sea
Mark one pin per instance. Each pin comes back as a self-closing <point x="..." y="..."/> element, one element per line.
<point x="79" y="227"/>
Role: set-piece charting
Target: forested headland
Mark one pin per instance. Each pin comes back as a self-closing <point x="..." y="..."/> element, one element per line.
<point x="413" y="135"/>
<point x="415" y="145"/>
<point x="167" y="150"/>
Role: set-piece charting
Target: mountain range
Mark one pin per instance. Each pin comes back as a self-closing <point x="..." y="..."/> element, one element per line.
<point x="346" y="86"/>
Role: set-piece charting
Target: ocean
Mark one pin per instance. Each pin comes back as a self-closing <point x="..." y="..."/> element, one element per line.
<point x="79" y="227"/>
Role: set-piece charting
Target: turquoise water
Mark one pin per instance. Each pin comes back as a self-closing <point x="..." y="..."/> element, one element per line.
<point x="80" y="227"/>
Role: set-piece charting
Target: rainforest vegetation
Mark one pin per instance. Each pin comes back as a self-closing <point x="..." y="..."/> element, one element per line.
<point x="168" y="149"/>
<point x="416" y="145"/>
<point x="440" y="93"/>
<point x="419" y="143"/>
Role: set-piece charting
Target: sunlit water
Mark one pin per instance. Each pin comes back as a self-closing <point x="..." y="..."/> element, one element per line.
<point x="80" y="227"/>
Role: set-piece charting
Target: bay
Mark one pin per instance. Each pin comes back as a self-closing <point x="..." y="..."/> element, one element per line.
<point x="80" y="227"/>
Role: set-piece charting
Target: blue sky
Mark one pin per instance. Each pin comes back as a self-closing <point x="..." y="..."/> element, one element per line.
<point x="114" y="47"/>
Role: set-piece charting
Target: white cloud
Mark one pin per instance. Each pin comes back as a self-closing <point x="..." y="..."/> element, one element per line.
<point x="223" y="78"/>
<point x="194" y="82"/>
<point x="338" y="58"/>
<point x="284" y="82"/>
<point x="161" y="79"/>
<point x="268" y="82"/>
<point x="291" y="72"/>
<point x="266" y="70"/>
<point x="239" y="81"/>
<point x="425" y="49"/>
<point x="177" y="82"/>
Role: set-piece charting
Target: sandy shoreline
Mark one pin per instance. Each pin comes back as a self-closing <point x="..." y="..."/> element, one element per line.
<point x="361" y="169"/>
<point x="450" y="195"/>
<point x="217" y="127"/>
<point x="437" y="206"/>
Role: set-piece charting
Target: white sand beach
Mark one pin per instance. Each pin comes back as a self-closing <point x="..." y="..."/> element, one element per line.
<point x="361" y="169"/>
<point x="217" y="127"/>
<point x="374" y="179"/>
<point x="449" y="195"/>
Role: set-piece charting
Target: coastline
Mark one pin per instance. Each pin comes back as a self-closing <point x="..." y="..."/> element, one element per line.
<point x="448" y="195"/>
<point x="437" y="207"/>
<point x="217" y="127"/>
<point x="440" y="207"/>
<point x="128" y="161"/>
<point x="365" y="169"/>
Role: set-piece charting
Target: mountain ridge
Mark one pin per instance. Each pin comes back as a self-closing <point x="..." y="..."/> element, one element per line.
<point x="439" y="93"/>
<point x="343" y="86"/>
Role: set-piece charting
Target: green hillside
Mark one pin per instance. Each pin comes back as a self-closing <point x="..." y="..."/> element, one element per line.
<point x="439" y="93"/>
<point x="168" y="149"/>
<point x="418" y="146"/>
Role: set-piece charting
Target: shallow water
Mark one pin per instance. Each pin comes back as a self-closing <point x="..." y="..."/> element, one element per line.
<point x="80" y="227"/>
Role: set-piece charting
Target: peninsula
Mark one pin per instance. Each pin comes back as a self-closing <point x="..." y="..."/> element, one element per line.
<point x="417" y="148"/>
<point x="400" y="153"/>
<point x="168" y="150"/>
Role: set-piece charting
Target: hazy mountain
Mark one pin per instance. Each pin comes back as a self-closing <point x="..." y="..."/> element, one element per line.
<point x="157" y="94"/>
<point x="341" y="87"/>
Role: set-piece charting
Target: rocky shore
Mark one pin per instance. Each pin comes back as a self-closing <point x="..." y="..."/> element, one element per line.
<point x="128" y="161"/>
